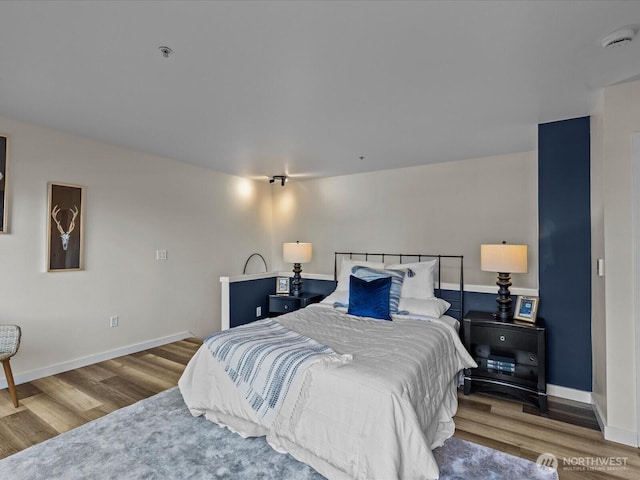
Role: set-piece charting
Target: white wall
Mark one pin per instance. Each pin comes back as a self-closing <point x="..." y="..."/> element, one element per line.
<point x="621" y="118"/>
<point x="135" y="203"/>
<point x="447" y="208"/>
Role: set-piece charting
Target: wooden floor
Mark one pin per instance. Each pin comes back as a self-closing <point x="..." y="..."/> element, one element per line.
<point x="569" y="431"/>
<point x="53" y="405"/>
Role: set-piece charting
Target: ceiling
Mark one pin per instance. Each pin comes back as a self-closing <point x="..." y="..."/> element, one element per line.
<point x="307" y="88"/>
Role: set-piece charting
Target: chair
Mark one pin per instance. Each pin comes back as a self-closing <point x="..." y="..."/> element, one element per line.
<point x="9" y="343"/>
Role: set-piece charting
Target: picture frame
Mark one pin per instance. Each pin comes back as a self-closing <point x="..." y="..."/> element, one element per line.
<point x="282" y="286"/>
<point x="526" y="309"/>
<point x="4" y="197"/>
<point x="65" y="227"/>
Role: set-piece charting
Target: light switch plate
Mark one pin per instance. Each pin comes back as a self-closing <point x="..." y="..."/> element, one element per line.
<point x="600" y="267"/>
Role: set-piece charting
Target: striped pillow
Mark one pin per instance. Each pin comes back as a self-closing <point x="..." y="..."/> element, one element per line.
<point x="397" y="277"/>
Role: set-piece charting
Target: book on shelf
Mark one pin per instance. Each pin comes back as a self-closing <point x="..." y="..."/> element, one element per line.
<point x="495" y="363"/>
<point x="501" y="368"/>
<point x="501" y="363"/>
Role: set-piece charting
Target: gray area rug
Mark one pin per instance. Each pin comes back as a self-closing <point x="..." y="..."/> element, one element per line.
<point x="157" y="438"/>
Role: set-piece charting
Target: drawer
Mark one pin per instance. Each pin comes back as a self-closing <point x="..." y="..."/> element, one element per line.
<point x="283" y="304"/>
<point x="509" y="338"/>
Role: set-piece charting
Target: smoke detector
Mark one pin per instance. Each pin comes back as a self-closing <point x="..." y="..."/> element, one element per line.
<point x="617" y="38"/>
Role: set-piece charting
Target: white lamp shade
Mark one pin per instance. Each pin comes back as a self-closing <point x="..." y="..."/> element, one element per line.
<point x="503" y="258"/>
<point x="297" y="252"/>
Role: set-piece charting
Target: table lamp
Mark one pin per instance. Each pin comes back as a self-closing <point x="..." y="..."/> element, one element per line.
<point x="503" y="259"/>
<point x="297" y="253"/>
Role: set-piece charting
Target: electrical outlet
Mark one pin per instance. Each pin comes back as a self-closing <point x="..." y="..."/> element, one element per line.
<point x="113" y="321"/>
<point x="258" y="311"/>
<point x="161" y="254"/>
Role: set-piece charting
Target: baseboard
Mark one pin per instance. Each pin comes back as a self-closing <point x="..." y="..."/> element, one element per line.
<point x="599" y="413"/>
<point x="90" y="360"/>
<point x="569" y="393"/>
<point x="614" y="434"/>
<point x="619" y="435"/>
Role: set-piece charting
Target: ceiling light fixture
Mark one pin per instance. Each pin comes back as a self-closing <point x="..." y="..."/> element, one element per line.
<point x="618" y="38"/>
<point x="165" y="51"/>
<point x="282" y="178"/>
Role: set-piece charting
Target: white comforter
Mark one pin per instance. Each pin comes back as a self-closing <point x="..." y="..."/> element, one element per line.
<point x="377" y="416"/>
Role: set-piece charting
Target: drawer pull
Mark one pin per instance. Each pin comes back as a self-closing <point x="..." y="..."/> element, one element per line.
<point x="502" y="338"/>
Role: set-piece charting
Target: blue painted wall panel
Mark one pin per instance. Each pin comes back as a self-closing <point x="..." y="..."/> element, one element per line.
<point x="325" y="287"/>
<point x="481" y="302"/>
<point x="244" y="297"/>
<point x="565" y="249"/>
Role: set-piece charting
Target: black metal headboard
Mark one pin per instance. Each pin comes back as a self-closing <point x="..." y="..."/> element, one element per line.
<point x="456" y="299"/>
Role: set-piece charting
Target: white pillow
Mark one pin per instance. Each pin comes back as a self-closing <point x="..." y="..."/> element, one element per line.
<point x="344" y="272"/>
<point x="428" y="307"/>
<point x="422" y="284"/>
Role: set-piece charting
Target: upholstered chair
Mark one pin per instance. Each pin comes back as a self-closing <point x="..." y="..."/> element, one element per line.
<point x="9" y="343"/>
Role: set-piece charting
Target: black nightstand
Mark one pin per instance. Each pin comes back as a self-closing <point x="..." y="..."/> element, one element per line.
<point x="510" y="357"/>
<point x="279" y="304"/>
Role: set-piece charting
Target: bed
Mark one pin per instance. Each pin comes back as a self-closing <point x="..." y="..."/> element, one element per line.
<point x="382" y="398"/>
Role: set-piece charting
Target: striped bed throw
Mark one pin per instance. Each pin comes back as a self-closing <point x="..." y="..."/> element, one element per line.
<point x="262" y="359"/>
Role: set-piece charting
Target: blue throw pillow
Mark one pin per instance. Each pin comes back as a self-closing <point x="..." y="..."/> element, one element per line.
<point x="369" y="299"/>
<point x="397" y="277"/>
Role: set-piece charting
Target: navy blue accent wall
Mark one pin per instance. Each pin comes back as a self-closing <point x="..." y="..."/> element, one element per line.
<point x="244" y="297"/>
<point x="565" y="249"/>
<point x="325" y="287"/>
<point x="481" y="302"/>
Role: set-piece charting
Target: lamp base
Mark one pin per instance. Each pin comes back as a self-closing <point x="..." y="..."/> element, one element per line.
<point x="504" y="313"/>
<point x="297" y="280"/>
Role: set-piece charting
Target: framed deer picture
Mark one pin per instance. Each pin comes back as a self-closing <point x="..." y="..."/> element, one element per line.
<point x="65" y="227"/>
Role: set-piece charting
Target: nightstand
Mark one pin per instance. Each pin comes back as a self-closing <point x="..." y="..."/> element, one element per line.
<point x="510" y="357"/>
<point x="279" y="304"/>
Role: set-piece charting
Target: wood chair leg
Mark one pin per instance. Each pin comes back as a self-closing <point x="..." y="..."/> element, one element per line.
<point x="12" y="386"/>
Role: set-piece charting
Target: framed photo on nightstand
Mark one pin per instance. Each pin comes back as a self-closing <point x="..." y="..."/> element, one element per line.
<point x="282" y="286"/>
<point x="526" y="309"/>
